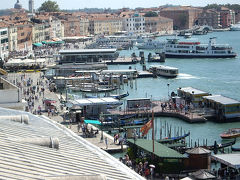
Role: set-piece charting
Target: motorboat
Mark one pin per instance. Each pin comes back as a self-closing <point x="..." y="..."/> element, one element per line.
<point x="194" y="49"/>
<point x="166" y="71"/>
<point x="235" y="27"/>
<point x="151" y="44"/>
<point x="231" y="133"/>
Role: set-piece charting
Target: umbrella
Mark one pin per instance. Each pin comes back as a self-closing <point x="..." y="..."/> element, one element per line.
<point x="152" y="166"/>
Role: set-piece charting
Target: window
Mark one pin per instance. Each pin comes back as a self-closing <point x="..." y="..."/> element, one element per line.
<point x="22" y="34"/>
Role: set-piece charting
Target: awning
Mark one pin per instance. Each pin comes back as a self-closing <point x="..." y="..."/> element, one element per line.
<point x="52" y="42"/>
<point x="37" y="44"/>
<point x="92" y="122"/>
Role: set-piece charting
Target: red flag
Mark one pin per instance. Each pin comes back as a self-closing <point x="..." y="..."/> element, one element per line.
<point x="144" y="130"/>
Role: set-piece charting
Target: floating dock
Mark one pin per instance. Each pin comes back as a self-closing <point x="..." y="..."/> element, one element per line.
<point x="122" y="61"/>
<point x="145" y="74"/>
<point x="190" y="117"/>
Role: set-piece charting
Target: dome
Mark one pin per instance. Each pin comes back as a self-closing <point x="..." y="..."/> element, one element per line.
<point x="18" y="5"/>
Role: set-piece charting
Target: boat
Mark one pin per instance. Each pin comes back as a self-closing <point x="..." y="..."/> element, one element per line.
<point x="187" y="35"/>
<point x="166" y="71"/>
<point x="174" y="48"/>
<point x="220" y="146"/>
<point x="150" y="44"/>
<point x="99" y="89"/>
<point x="156" y="58"/>
<point x="235" y="27"/>
<point x="235" y="149"/>
<point x="174" y="139"/>
<point x="119" y="96"/>
<point x="231" y="133"/>
<point x="133" y="122"/>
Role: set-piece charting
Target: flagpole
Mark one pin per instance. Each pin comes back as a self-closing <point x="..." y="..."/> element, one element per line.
<point x="153" y="129"/>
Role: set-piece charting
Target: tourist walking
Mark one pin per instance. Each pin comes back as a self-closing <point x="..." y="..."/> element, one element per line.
<point x="106" y="142"/>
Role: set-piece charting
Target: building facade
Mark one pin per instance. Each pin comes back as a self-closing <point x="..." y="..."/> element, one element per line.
<point x="184" y="17"/>
<point x="24" y="36"/>
<point x="12" y="38"/>
<point x="134" y="23"/>
<point x="84" y="27"/>
<point x="4" y="42"/>
<point x="106" y="25"/>
<point x="227" y="17"/>
<point x="209" y="17"/>
<point x="40" y="32"/>
<point x="71" y="27"/>
<point x="159" y="24"/>
<point x="56" y="28"/>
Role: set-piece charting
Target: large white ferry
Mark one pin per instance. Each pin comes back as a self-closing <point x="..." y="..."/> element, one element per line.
<point x="189" y="49"/>
<point x="166" y="71"/>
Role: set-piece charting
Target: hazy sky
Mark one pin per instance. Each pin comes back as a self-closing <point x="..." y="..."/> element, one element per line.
<point x="115" y="4"/>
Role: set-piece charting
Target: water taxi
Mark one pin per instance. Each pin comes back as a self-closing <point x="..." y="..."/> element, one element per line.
<point x="231" y="133"/>
<point x="194" y="49"/>
<point x="166" y="71"/>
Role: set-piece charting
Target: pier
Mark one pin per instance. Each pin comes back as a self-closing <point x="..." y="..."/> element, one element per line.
<point x="190" y="117"/>
<point x="122" y="61"/>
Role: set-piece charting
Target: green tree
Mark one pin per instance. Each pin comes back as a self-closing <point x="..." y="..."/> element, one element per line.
<point x="151" y="14"/>
<point x="49" y="6"/>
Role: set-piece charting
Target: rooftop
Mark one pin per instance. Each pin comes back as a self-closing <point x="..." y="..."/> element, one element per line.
<point x="75" y="156"/>
<point x="88" y="51"/>
<point x="192" y="90"/>
<point x="160" y="150"/>
<point x="95" y="101"/>
<point x="231" y="160"/>
<point x="221" y="99"/>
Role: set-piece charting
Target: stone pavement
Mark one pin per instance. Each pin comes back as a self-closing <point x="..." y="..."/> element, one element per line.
<point x="37" y="80"/>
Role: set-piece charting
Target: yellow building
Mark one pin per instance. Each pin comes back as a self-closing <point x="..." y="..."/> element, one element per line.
<point x="12" y="38"/>
<point x="40" y="32"/>
<point x="106" y="25"/>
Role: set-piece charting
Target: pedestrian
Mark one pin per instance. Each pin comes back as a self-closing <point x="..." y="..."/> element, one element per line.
<point x="106" y="142"/>
<point x="79" y="126"/>
<point x="48" y="112"/>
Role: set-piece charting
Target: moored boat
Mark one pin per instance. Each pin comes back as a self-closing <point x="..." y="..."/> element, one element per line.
<point x="235" y="27"/>
<point x="166" y="71"/>
<point x="231" y="133"/>
<point x="194" y="49"/>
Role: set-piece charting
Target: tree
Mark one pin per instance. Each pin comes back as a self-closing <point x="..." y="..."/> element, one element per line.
<point x="151" y="14"/>
<point x="49" y="6"/>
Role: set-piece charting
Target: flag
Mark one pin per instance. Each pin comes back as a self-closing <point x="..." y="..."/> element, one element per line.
<point x="144" y="130"/>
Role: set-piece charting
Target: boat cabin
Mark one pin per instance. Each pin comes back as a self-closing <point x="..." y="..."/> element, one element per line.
<point x="225" y="108"/>
<point x="192" y="95"/>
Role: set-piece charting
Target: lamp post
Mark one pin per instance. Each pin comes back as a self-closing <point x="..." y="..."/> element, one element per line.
<point x="101" y="119"/>
<point x="168" y="89"/>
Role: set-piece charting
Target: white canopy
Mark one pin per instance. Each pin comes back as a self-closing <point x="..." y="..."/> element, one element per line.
<point x="231" y="160"/>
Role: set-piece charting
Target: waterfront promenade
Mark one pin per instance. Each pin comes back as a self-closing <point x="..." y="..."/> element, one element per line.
<point x="34" y="103"/>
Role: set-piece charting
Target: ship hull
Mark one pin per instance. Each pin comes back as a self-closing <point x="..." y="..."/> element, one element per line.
<point x="199" y="56"/>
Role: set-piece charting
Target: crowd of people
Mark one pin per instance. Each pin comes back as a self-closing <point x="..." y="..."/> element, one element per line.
<point x="142" y="168"/>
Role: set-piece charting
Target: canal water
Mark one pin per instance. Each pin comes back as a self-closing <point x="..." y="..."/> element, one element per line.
<point x="216" y="76"/>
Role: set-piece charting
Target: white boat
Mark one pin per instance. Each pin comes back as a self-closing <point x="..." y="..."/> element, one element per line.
<point x="194" y="49"/>
<point x="235" y="27"/>
<point x="187" y="35"/>
<point x="151" y="44"/>
<point x="166" y="71"/>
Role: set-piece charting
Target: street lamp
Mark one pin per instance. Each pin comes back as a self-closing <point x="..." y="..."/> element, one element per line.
<point x="168" y="89"/>
<point x="101" y="119"/>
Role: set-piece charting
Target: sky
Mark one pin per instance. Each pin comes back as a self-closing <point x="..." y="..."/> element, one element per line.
<point x="114" y="4"/>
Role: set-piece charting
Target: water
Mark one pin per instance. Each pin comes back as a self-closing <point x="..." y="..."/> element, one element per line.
<point x="217" y="76"/>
